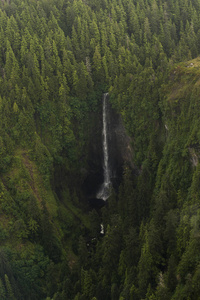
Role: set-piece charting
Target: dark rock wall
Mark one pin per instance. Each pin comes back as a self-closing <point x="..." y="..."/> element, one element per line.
<point x="119" y="145"/>
<point x="119" y="149"/>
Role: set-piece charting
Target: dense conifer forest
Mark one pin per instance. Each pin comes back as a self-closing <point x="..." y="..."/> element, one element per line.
<point x="57" y="58"/>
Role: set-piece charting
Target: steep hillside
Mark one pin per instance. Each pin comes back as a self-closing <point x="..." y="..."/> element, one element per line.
<point x="160" y="209"/>
<point x="57" y="58"/>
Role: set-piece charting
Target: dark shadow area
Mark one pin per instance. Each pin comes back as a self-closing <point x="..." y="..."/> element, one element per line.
<point x="96" y="203"/>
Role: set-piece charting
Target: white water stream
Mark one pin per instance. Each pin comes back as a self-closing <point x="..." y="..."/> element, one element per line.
<point x="104" y="191"/>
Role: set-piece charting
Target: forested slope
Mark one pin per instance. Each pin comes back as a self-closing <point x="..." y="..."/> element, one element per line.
<point x="57" y="58"/>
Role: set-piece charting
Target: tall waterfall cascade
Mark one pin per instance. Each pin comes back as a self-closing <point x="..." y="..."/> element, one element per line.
<point x="104" y="191"/>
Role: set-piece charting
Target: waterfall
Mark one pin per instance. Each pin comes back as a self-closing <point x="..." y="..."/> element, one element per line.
<point x="104" y="191"/>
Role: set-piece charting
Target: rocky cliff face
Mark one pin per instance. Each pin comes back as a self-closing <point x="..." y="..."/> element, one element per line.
<point x="119" y="150"/>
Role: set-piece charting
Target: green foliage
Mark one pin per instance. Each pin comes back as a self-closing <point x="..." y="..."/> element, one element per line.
<point x="57" y="59"/>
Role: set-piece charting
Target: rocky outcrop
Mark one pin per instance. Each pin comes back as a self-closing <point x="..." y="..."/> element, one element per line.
<point x="194" y="158"/>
